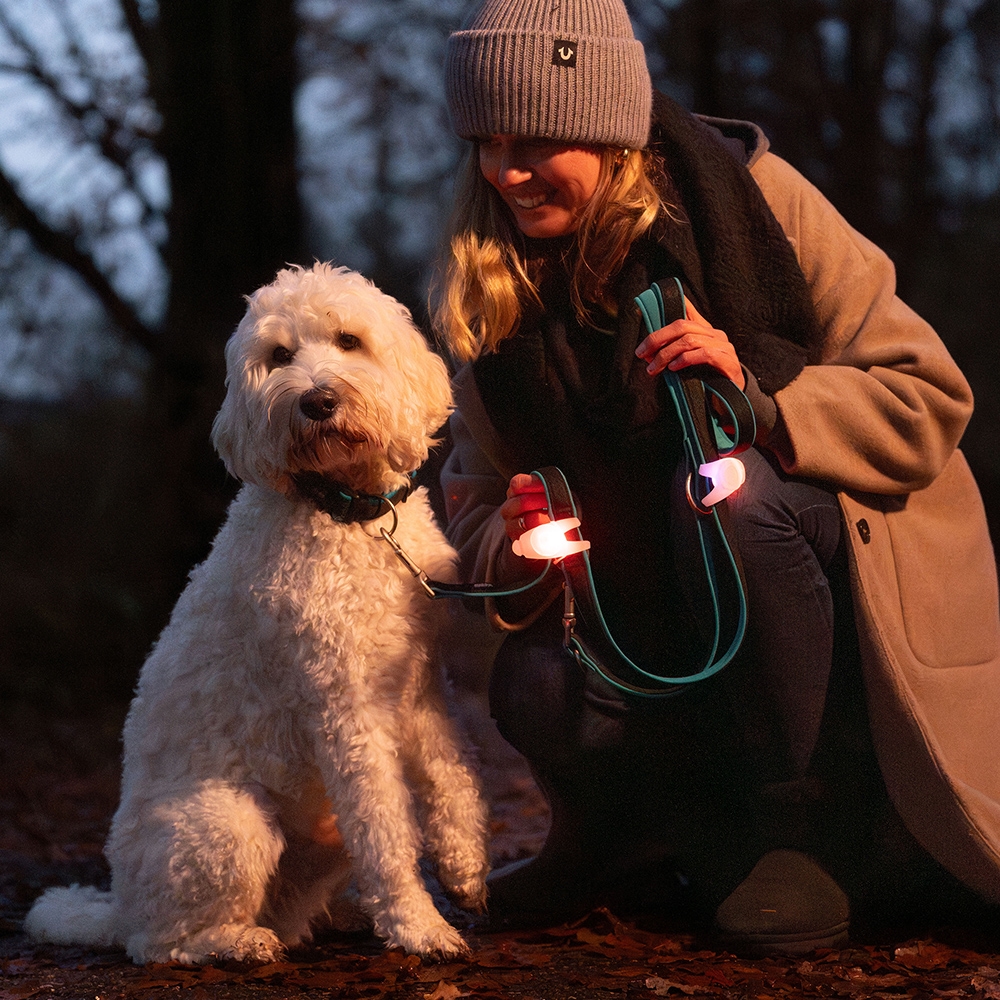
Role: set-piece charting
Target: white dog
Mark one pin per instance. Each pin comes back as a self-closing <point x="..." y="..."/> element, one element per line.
<point x="295" y="693"/>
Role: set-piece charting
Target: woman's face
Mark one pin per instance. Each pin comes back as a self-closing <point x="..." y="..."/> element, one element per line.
<point x="545" y="183"/>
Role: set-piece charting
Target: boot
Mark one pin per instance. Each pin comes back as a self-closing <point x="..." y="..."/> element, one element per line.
<point x="788" y="905"/>
<point x="591" y="858"/>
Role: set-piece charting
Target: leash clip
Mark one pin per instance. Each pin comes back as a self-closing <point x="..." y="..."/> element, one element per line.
<point x="569" y="614"/>
<point x="414" y="569"/>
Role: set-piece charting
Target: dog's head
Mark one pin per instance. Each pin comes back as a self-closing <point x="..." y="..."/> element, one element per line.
<point x="325" y="373"/>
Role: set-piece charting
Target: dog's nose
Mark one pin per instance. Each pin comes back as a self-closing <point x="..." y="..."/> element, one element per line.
<point x="319" y="404"/>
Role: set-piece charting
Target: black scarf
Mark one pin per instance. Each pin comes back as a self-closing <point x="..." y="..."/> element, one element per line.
<point x="734" y="257"/>
<point x="559" y="393"/>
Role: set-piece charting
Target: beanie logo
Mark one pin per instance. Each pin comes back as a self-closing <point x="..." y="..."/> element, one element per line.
<point x="563" y="53"/>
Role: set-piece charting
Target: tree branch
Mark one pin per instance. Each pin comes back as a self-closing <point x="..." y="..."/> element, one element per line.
<point x="63" y="248"/>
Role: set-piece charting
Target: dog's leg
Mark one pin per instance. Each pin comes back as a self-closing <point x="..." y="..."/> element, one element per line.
<point x="364" y="774"/>
<point x="191" y="871"/>
<point x="456" y="815"/>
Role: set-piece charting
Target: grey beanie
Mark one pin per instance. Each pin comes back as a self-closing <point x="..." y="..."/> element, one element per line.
<point x="555" y="69"/>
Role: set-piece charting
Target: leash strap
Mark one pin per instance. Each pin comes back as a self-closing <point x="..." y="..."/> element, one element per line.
<point x="697" y="396"/>
<point x="707" y="436"/>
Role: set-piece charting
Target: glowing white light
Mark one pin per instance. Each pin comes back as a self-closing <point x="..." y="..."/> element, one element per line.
<point x="549" y="541"/>
<point x="727" y="475"/>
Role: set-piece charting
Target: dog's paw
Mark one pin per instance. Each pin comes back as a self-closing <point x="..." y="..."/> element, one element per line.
<point x="414" y="924"/>
<point x="469" y="895"/>
<point x="465" y="883"/>
<point x="256" y="944"/>
<point x="230" y="942"/>
<point x="440" y="941"/>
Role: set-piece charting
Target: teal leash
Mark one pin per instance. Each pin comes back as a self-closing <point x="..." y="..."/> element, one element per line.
<point x="705" y="439"/>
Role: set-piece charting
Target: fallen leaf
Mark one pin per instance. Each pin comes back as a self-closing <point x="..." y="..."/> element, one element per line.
<point x="438" y="972"/>
<point x="272" y="969"/>
<point x="504" y="957"/>
<point x="989" y="988"/>
<point x="212" y="974"/>
<point x="29" y="990"/>
<point x="318" y="979"/>
<point x="718" y="977"/>
<point x="586" y="936"/>
<point x="924" y="955"/>
<point x="445" y="991"/>
<point x="663" y="987"/>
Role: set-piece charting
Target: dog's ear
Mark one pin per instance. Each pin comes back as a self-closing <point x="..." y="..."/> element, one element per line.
<point x="425" y="407"/>
<point x="232" y="429"/>
<point x="435" y="390"/>
<point x="225" y="428"/>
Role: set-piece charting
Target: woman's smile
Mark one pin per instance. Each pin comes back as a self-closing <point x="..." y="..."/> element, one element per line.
<point x="546" y="184"/>
<point x="529" y="202"/>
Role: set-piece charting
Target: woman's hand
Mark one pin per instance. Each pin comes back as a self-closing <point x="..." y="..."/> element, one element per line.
<point x="525" y="507"/>
<point x="690" y="341"/>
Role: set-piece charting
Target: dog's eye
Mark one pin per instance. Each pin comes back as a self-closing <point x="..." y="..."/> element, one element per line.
<point x="282" y="356"/>
<point x="348" y="342"/>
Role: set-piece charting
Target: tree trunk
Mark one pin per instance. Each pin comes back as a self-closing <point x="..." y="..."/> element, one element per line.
<point x="223" y="77"/>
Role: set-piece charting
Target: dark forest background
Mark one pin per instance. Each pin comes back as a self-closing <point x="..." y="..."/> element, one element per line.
<point x="159" y="161"/>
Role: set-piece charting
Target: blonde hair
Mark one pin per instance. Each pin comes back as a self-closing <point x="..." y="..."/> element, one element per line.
<point x="481" y="293"/>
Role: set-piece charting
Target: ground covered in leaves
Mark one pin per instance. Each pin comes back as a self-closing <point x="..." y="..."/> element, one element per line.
<point x="58" y="788"/>
<point x="599" y="957"/>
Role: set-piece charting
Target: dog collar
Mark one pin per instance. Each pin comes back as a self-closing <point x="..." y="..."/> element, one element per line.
<point x="346" y="505"/>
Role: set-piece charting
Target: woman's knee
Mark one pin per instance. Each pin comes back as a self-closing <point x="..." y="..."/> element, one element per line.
<point x="775" y="513"/>
<point x="546" y="706"/>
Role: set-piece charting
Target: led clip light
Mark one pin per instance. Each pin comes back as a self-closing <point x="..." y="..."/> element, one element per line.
<point x="549" y="541"/>
<point x="727" y="475"/>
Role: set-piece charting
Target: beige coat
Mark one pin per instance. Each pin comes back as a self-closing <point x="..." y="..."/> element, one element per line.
<point x="880" y="418"/>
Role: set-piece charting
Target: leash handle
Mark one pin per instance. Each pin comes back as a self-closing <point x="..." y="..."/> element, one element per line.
<point x="690" y="388"/>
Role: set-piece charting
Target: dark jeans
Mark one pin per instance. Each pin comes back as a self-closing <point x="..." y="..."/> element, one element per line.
<point x="774" y="751"/>
<point x="788" y="532"/>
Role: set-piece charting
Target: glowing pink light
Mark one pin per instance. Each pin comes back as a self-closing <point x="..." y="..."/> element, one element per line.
<point x="549" y="541"/>
<point x="727" y="475"/>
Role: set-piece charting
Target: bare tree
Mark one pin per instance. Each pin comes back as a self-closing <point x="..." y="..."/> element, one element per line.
<point x="377" y="152"/>
<point x="872" y="99"/>
<point x="153" y="157"/>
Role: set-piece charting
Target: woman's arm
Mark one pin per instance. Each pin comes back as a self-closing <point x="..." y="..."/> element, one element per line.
<point x="474" y="492"/>
<point x="887" y="406"/>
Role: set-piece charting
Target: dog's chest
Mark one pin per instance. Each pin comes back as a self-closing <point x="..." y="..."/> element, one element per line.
<point x="333" y="583"/>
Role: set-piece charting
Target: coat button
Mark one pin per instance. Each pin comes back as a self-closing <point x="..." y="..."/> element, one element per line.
<point x="864" y="531"/>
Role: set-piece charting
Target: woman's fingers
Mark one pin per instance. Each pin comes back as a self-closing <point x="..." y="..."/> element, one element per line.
<point x="526" y="505"/>
<point x="525" y="483"/>
<point x="688" y="342"/>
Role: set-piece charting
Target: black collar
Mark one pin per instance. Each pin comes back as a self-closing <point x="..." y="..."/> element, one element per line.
<point x="346" y="505"/>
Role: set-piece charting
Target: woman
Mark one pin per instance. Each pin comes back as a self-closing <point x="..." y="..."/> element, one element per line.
<point x="757" y="792"/>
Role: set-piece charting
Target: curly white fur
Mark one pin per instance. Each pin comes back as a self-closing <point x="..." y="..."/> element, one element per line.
<point x="297" y="676"/>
